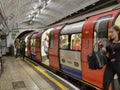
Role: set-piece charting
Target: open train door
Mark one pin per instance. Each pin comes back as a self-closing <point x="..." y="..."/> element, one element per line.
<point x="45" y="45"/>
<point x="53" y="47"/>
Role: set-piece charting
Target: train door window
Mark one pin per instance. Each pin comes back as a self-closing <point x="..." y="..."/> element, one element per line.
<point x="117" y="21"/>
<point x="75" y="42"/>
<point x="33" y="45"/>
<point x="33" y="42"/>
<point x="52" y="39"/>
<point x="101" y="29"/>
<point x="64" y="42"/>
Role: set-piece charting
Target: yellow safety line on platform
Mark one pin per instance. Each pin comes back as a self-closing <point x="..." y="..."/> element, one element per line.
<point x="48" y="76"/>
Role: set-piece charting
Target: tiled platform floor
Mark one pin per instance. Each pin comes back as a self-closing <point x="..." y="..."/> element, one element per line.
<point x="18" y="75"/>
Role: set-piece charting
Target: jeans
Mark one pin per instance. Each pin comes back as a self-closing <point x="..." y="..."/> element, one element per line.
<point x="111" y="69"/>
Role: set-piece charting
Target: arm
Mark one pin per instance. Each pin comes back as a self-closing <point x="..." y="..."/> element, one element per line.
<point x="103" y="48"/>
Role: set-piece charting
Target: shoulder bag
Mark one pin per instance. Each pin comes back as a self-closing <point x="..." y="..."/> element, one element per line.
<point x="97" y="59"/>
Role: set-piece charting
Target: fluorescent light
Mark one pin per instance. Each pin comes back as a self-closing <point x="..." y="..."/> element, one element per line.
<point x="39" y="0"/>
<point x="29" y="16"/>
<point x="35" y="7"/>
<point x="48" y="1"/>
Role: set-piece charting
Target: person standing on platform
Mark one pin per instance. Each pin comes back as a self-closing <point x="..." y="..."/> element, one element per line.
<point x="113" y="50"/>
<point x="22" y="48"/>
<point x="17" y="46"/>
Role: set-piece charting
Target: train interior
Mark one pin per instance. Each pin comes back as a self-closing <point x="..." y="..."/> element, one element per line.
<point x="44" y="46"/>
<point x="75" y="42"/>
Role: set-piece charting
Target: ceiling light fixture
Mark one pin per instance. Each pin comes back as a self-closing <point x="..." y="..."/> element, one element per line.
<point x="37" y="9"/>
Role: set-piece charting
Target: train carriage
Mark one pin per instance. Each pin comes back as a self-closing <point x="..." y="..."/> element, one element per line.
<point x="45" y="39"/>
<point x="29" y="44"/>
<point x="70" y="44"/>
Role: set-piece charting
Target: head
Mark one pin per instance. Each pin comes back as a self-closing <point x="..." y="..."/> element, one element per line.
<point x="114" y="33"/>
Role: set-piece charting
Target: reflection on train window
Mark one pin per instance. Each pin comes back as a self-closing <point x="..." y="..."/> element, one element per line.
<point x="52" y="39"/>
<point x="64" y="42"/>
<point x="117" y="21"/>
<point x="31" y="42"/>
<point x="95" y="37"/>
<point x="76" y="41"/>
<point x="101" y="29"/>
<point x="95" y="40"/>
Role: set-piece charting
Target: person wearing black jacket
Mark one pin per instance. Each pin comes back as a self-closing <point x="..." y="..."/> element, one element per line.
<point x="113" y="50"/>
<point x="22" y="48"/>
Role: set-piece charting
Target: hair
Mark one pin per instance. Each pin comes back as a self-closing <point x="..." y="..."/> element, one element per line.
<point x="117" y="29"/>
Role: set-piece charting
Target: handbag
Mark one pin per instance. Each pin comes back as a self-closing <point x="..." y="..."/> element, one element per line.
<point x="97" y="59"/>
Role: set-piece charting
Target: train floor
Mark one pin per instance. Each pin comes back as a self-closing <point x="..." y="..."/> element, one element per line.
<point x="19" y="74"/>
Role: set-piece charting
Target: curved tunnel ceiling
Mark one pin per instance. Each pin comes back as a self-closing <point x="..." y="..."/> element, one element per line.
<point x="40" y="13"/>
<point x="19" y="11"/>
<point x="24" y="33"/>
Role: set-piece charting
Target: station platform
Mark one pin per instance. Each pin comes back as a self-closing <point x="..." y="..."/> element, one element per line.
<point x="18" y="74"/>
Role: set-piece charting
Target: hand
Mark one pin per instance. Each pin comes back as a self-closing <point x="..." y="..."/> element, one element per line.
<point x="100" y="44"/>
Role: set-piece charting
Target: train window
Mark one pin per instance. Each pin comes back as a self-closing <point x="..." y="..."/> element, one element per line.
<point x="101" y="29"/>
<point x="39" y="41"/>
<point x="101" y="26"/>
<point x="95" y="37"/>
<point x="64" y="42"/>
<point x="32" y="43"/>
<point x="52" y="39"/>
<point x="117" y="21"/>
<point x="75" y="42"/>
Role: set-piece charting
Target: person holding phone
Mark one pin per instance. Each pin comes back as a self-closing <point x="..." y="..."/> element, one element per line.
<point x="113" y="50"/>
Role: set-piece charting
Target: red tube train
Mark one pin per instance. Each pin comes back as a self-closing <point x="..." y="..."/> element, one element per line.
<point x="69" y="45"/>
